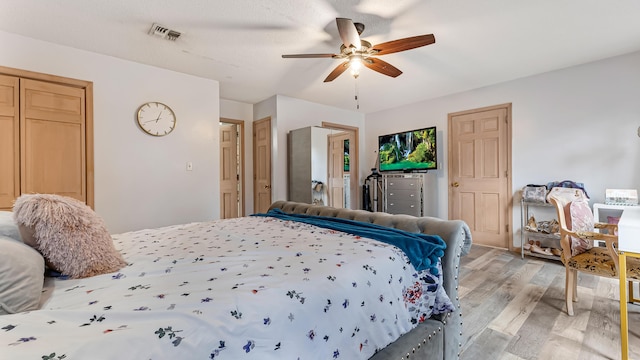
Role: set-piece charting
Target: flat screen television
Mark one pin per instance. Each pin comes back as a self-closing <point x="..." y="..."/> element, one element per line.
<point x="408" y="151"/>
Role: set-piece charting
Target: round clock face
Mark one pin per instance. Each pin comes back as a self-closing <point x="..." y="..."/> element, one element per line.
<point x="156" y="119"/>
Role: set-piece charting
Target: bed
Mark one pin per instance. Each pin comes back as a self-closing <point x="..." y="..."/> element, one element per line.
<point x="261" y="287"/>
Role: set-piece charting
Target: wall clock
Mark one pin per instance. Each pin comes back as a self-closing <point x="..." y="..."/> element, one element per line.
<point x="156" y="118"/>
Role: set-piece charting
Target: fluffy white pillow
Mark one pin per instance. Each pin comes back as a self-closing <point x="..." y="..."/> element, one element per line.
<point x="70" y="235"/>
<point x="21" y="277"/>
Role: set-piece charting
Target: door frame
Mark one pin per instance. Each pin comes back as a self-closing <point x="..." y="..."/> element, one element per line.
<point x="508" y="190"/>
<point x="241" y="166"/>
<point x="353" y="161"/>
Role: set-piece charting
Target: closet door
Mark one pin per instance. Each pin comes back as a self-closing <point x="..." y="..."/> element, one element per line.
<point x="9" y="138"/>
<point x="52" y="139"/>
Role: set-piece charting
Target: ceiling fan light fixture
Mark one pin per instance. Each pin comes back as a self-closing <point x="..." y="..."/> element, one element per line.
<point x="356" y="62"/>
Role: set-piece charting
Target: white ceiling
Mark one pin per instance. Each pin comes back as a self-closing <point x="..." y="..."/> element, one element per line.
<point x="240" y="42"/>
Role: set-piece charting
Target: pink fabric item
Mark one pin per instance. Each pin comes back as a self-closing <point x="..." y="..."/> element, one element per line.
<point x="581" y="220"/>
<point x="70" y="235"/>
<point x="614" y="220"/>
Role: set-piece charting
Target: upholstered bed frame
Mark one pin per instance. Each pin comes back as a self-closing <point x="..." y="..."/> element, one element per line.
<point x="440" y="336"/>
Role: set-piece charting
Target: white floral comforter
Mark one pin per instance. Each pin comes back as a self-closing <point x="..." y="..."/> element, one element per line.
<point x="248" y="288"/>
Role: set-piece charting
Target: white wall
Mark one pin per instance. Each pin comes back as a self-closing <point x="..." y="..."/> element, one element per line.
<point x="288" y="114"/>
<point x="578" y="123"/>
<point x="236" y="110"/>
<point x="140" y="180"/>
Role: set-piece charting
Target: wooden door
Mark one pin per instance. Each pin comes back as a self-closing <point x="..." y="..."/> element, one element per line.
<point x="479" y="173"/>
<point x="336" y="169"/>
<point x="229" y="176"/>
<point x="52" y="139"/>
<point x="9" y="141"/>
<point x="261" y="165"/>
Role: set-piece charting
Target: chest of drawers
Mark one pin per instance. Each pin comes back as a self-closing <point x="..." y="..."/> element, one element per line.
<point x="403" y="194"/>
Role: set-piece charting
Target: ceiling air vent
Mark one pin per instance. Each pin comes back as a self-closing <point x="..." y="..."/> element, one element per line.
<point x="164" y="32"/>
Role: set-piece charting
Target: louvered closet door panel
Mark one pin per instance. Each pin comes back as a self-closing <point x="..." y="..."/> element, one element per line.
<point x="9" y="138"/>
<point x="52" y="136"/>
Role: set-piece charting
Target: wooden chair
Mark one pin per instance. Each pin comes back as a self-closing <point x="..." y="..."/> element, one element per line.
<point x="599" y="261"/>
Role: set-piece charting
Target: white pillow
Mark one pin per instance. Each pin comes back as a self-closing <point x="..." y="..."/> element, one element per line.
<point x="8" y="226"/>
<point x="21" y="277"/>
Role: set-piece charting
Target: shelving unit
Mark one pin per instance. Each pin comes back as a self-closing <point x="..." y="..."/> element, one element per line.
<point x="547" y="240"/>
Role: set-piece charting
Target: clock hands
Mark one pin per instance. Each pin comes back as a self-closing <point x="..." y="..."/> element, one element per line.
<point x="155" y="120"/>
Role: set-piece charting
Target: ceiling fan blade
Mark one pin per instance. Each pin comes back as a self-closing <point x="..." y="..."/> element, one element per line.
<point x="404" y="44"/>
<point x="297" y="56"/>
<point x="382" y="67"/>
<point x="337" y="71"/>
<point x="348" y="33"/>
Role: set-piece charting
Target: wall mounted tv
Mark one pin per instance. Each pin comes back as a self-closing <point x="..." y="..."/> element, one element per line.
<point x="408" y="151"/>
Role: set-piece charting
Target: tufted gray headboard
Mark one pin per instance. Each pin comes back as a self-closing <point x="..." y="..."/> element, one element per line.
<point x="427" y="225"/>
<point x="457" y="236"/>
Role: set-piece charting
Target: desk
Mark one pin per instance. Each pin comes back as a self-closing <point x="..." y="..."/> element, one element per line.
<point x="608" y="209"/>
<point x="628" y="246"/>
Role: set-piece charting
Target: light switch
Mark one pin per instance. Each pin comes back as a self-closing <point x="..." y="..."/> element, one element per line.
<point x="189" y="166"/>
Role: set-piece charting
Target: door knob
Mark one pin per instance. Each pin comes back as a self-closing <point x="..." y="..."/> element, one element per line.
<point x="455" y="184"/>
<point x="267" y="186"/>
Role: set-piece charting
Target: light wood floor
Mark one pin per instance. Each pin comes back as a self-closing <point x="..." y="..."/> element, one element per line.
<point x="514" y="309"/>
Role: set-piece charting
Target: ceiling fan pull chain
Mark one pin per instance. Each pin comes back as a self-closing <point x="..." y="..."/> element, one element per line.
<point x="356" y="96"/>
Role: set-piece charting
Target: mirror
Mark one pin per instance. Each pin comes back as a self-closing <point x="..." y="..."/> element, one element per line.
<point x="321" y="167"/>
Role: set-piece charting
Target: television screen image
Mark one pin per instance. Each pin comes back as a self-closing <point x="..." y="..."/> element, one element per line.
<point x="408" y="151"/>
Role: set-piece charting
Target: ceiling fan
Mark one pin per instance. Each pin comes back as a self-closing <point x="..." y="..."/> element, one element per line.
<point x="358" y="52"/>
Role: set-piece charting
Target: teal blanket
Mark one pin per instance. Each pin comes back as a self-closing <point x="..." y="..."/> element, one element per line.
<point x="424" y="251"/>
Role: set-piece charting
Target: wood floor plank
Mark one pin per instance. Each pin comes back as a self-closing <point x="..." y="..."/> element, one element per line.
<point x="568" y="332"/>
<point x="524" y="300"/>
<point x="602" y="338"/>
<point x="486" y="301"/>
<point x="463" y="291"/>
<point x="509" y="356"/>
<point x="489" y="344"/>
<point x="484" y="259"/>
<point x="536" y="330"/>
<point x="517" y="311"/>
<point x="549" y="274"/>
